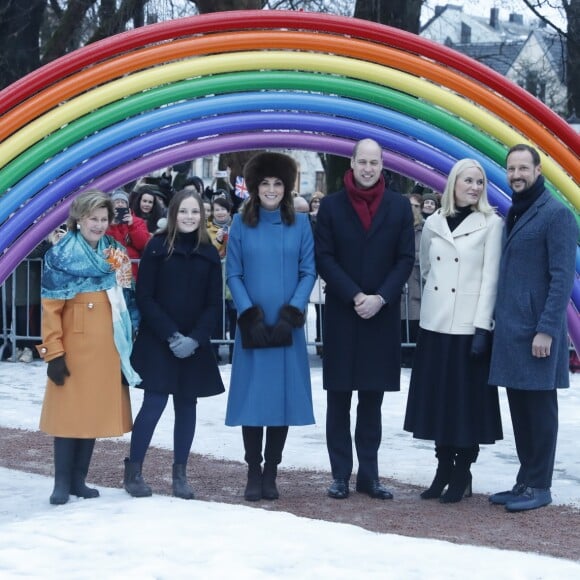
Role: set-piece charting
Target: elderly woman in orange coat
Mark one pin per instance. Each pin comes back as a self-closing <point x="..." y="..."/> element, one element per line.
<point x="86" y="333"/>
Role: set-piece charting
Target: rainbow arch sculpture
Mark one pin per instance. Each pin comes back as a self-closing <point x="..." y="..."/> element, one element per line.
<point x="123" y="107"/>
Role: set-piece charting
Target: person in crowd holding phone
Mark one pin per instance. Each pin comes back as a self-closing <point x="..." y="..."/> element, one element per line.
<point x="86" y="333"/>
<point x="450" y="401"/>
<point x="270" y="272"/>
<point x="179" y="296"/>
<point x="128" y="229"/>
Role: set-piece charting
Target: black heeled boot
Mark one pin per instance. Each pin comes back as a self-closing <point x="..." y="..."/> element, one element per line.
<point x="82" y="459"/>
<point x="275" y="441"/>
<point x="460" y="484"/>
<point x="252" y="437"/>
<point x="445" y="456"/>
<point x="64" y="452"/>
<point x="181" y="487"/>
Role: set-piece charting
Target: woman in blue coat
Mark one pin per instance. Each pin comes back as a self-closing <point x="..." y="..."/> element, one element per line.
<point x="179" y="297"/>
<point x="270" y="272"/>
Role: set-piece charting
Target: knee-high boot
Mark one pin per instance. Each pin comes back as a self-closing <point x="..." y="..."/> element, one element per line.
<point x="64" y="450"/>
<point x="82" y="460"/>
<point x="445" y="456"/>
<point x="460" y="484"/>
<point x="275" y="441"/>
<point x="252" y="437"/>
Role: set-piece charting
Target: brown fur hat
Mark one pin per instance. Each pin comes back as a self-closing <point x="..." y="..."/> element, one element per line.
<point x="270" y="165"/>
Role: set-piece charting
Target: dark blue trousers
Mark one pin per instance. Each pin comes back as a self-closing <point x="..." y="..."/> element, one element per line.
<point x="148" y="417"/>
<point x="367" y="433"/>
<point x="535" y="423"/>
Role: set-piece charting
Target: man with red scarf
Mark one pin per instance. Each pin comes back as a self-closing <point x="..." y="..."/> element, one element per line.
<point x="365" y="250"/>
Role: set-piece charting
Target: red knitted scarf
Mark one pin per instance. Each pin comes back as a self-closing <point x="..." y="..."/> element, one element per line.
<point x="364" y="201"/>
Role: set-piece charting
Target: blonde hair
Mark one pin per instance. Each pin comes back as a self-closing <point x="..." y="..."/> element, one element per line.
<point x="85" y="204"/>
<point x="448" y="208"/>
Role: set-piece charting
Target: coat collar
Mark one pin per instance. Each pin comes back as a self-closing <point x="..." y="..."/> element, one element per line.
<point x="530" y="214"/>
<point x="472" y="223"/>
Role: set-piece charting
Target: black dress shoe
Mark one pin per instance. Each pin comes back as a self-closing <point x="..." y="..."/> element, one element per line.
<point x="374" y="489"/>
<point x="339" y="489"/>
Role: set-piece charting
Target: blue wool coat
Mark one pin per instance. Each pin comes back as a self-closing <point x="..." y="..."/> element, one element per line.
<point x="536" y="276"/>
<point x="179" y="293"/>
<point x="363" y="354"/>
<point x="270" y="265"/>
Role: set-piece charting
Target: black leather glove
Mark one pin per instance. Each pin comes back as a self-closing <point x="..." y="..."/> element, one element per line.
<point x="57" y="370"/>
<point x="481" y="343"/>
<point x="253" y="331"/>
<point x="182" y="346"/>
<point x="289" y="318"/>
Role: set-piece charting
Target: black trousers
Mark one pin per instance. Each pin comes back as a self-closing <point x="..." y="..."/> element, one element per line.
<point x="535" y="423"/>
<point x="367" y="433"/>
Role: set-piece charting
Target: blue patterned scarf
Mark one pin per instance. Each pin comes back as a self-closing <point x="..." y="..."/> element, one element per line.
<point x="72" y="266"/>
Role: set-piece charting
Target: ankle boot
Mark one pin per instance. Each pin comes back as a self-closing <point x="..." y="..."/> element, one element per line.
<point x="460" y="484"/>
<point x="269" y="489"/>
<point x="133" y="480"/>
<point x="181" y="487"/>
<point x="64" y="449"/>
<point x="253" y="491"/>
<point x="445" y="456"/>
<point x="82" y="460"/>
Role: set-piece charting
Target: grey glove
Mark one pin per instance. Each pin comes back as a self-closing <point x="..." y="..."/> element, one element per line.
<point x="182" y="346"/>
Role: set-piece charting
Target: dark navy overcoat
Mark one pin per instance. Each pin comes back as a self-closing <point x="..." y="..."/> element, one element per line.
<point x="178" y="293"/>
<point x="363" y="354"/>
<point x="537" y="271"/>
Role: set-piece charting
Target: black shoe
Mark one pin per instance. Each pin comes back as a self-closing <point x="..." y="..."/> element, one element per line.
<point x="339" y="489"/>
<point x="253" y="491"/>
<point x="374" y="489"/>
<point x="181" y="487"/>
<point x="532" y="498"/>
<point x="133" y="480"/>
<point x="269" y="489"/>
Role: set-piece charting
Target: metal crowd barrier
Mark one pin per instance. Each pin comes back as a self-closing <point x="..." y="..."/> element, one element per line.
<point x="20" y="313"/>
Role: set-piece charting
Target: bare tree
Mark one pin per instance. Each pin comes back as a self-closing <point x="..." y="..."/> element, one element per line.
<point x="571" y="10"/>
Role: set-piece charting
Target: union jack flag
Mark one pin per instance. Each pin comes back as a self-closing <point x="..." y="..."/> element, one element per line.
<point x="241" y="190"/>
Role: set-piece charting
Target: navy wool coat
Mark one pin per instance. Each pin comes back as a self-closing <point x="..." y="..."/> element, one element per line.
<point x="536" y="276"/>
<point x="179" y="293"/>
<point x="363" y="354"/>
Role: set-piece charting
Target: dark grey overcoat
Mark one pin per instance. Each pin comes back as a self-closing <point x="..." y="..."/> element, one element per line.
<point x="363" y="354"/>
<point x="536" y="276"/>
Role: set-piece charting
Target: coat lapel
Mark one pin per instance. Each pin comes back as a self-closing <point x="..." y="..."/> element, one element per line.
<point x="528" y="216"/>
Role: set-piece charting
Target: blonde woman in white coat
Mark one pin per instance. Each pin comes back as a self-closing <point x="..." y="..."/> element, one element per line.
<point x="450" y="401"/>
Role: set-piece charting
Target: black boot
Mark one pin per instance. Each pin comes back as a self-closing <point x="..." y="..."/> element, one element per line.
<point x="252" y="437"/>
<point x="82" y="460"/>
<point x="64" y="451"/>
<point x="275" y="441"/>
<point x="133" y="480"/>
<point x="253" y="491"/>
<point x="445" y="456"/>
<point x="181" y="487"/>
<point x="269" y="489"/>
<point x="460" y="484"/>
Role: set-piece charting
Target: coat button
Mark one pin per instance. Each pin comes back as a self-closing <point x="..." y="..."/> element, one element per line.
<point x="452" y="289"/>
<point x="436" y="288"/>
<point x="457" y="259"/>
<point x="90" y="305"/>
<point x="43" y="350"/>
<point x="438" y="258"/>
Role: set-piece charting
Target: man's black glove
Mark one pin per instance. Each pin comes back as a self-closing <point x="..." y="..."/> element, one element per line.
<point x="480" y="343"/>
<point x="57" y="370"/>
<point x="254" y="332"/>
<point x="289" y="318"/>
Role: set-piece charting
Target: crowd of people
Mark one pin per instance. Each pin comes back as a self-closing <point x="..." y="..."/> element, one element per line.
<point x="485" y="300"/>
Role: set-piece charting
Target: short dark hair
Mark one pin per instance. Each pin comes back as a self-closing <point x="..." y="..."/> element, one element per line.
<point x="524" y="147"/>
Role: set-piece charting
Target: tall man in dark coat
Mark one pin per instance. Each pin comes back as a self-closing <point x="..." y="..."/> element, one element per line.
<point x="365" y="250"/>
<point x="530" y="346"/>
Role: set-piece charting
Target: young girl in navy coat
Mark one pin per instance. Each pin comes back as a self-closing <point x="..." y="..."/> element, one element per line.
<point x="179" y="296"/>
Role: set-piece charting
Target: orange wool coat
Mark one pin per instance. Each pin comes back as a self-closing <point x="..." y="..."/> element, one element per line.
<point x="92" y="402"/>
